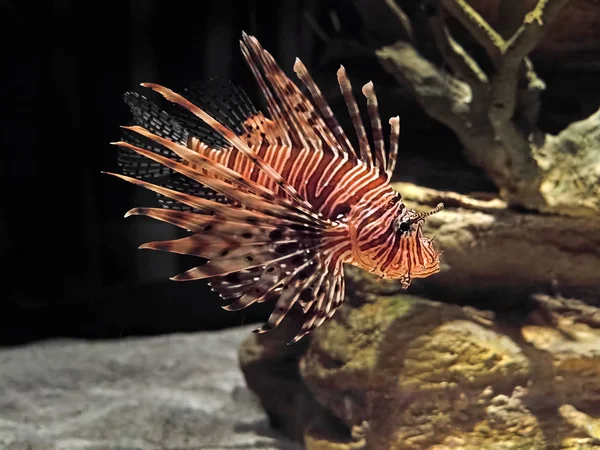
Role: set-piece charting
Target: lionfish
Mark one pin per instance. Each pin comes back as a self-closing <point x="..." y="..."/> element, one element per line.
<point x="277" y="205"/>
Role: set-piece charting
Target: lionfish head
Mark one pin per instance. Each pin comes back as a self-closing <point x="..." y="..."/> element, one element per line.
<point x="417" y="254"/>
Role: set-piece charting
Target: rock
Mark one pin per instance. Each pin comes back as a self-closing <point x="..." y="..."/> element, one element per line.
<point x="492" y="251"/>
<point x="589" y="426"/>
<point x="395" y="371"/>
<point x="571" y="355"/>
<point x="270" y="367"/>
<point x="416" y="372"/>
<point x="176" y="391"/>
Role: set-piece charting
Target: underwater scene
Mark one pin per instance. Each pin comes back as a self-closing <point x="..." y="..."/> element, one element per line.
<point x="302" y="224"/>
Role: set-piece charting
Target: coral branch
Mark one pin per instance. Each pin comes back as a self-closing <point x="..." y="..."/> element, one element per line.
<point x="443" y="97"/>
<point x="510" y="16"/>
<point x="454" y="54"/>
<point x="401" y="16"/>
<point x="513" y="52"/>
<point x="494" y="114"/>
<point x="481" y="31"/>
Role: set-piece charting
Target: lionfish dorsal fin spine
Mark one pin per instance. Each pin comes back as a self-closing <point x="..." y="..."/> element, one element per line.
<point x="328" y="120"/>
<point x="363" y="141"/>
<point x="290" y="105"/>
<point x="373" y="109"/>
<point x="283" y="92"/>
<point x="272" y="104"/>
<point x="393" y="153"/>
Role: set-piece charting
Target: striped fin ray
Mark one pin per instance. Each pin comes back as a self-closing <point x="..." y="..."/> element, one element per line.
<point x="216" y="238"/>
<point x="363" y="141"/>
<point x="277" y="275"/>
<point x="253" y="55"/>
<point x="208" y="207"/>
<point x="330" y="121"/>
<point x="189" y="220"/>
<point x="182" y="219"/>
<point x="393" y="155"/>
<point x="257" y="58"/>
<point x="272" y="104"/>
<point x="150" y="116"/>
<point x="373" y="110"/>
<point x="325" y="298"/>
<point x="268" y="283"/>
<point x="292" y="288"/>
<point x="234" y="140"/>
<point x="226" y="265"/>
<point x="238" y="188"/>
<point x="297" y="105"/>
<point x="249" y="260"/>
<point x="303" y="121"/>
<point x="233" y="285"/>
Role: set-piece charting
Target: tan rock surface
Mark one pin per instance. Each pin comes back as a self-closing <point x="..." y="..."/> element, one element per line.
<point x="393" y="371"/>
<point x="492" y="250"/>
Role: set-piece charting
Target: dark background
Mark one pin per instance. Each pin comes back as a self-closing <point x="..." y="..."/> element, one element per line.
<point x="70" y="264"/>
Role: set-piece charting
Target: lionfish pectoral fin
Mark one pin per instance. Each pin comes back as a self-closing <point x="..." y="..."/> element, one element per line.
<point x="234" y="141"/>
<point x="325" y="297"/>
<point x="255" y="256"/>
<point x="273" y="247"/>
<point x="147" y="114"/>
<point x="163" y="123"/>
<point x="303" y="275"/>
<point x="223" y="101"/>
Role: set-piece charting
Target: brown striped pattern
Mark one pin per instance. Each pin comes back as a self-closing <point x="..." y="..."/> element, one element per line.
<point x="344" y="191"/>
<point x="303" y="201"/>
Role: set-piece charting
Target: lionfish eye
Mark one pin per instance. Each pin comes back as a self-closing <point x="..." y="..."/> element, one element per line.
<point x="404" y="227"/>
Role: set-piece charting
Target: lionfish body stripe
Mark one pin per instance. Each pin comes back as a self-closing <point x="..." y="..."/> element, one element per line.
<point x="277" y="205"/>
